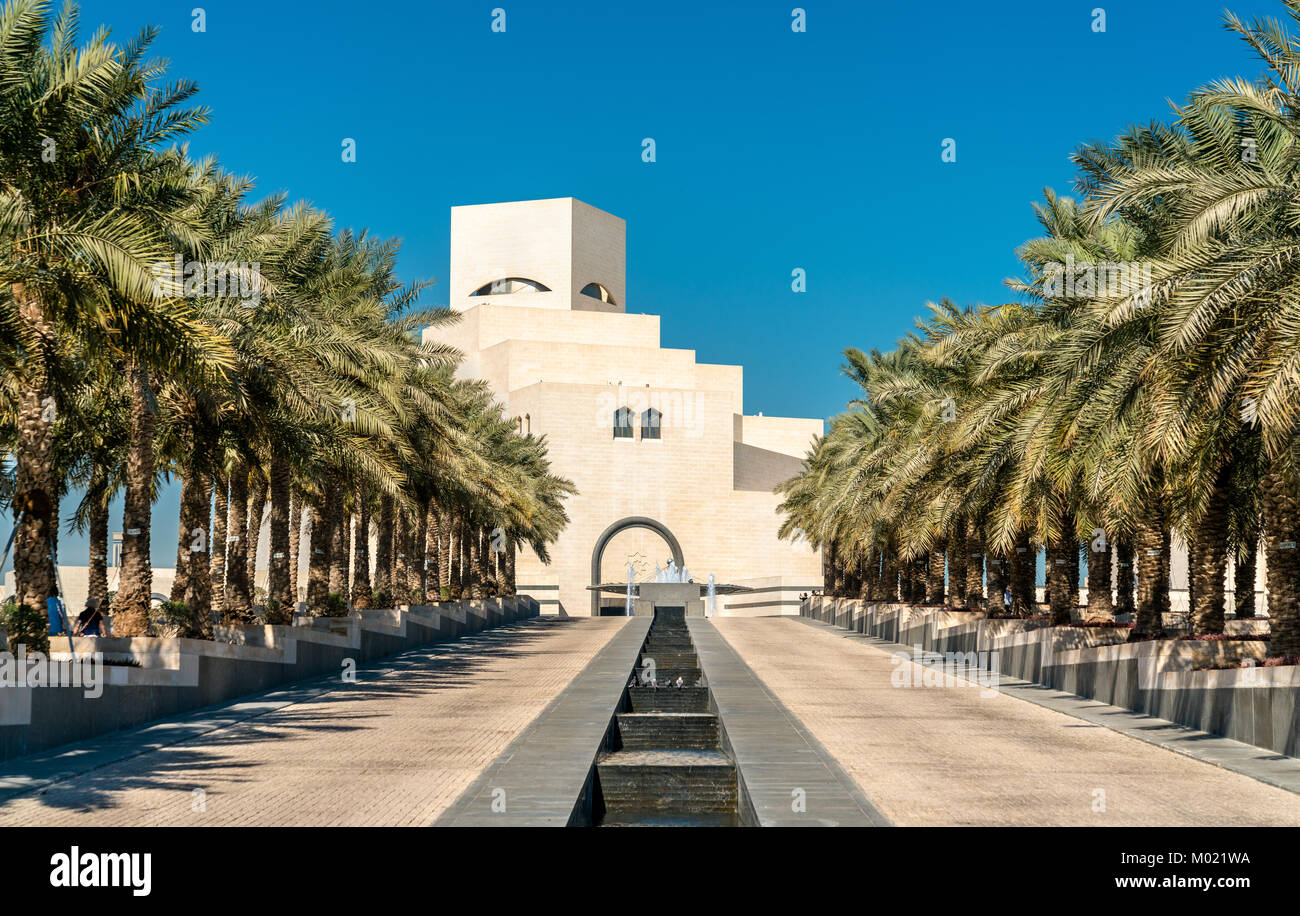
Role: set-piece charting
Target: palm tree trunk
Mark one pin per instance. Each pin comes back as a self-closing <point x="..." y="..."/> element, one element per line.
<point x="419" y="578"/>
<point x="239" y="593"/>
<point x="467" y="564"/>
<point x="934" y="574"/>
<point x="1151" y="547"/>
<point x="401" y="590"/>
<point x="198" y="591"/>
<point x="848" y="586"/>
<point x="485" y="572"/>
<point x="957" y="563"/>
<point x="444" y="553"/>
<point x="336" y="541"/>
<point x="433" y="548"/>
<point x="218" y="562"/>
<point x="1022" y="562"/>
<point x="186" y="523"/>
<point x="1058" y="578"/>
<point x="295" y="539"/>
<point x="362" y="595"/>
<point x="1207" y="565"/>
<point x="384" y="548"/>
<point x="349" y="554"/>
<point x="472" y="562"/>
<point x="193" y="583"/>
<point x="510" y="567"/>
<point x="999" y="580"/>
<point x="917" y="568"/>
<point x="135" y="588"/>
<point x="1281" y="524"/>
<point x="1244" y="574"/>
<point x="974" y="565"/>
<point x="97" y="585"/>
<point x="1099" y="601"/>
<point x="454" y="582"/>
<point x="256" y="511"/>
<point x="889" y="576"/>
<point x="1124" y="573"/>
<point x="36" y="487"/>
<point x="279" y="589"/>
<point x="318" y="568"/>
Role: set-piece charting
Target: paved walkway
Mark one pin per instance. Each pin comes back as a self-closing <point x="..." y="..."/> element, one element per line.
<point x="396" y="748"/>
<point x="951" y="756"/>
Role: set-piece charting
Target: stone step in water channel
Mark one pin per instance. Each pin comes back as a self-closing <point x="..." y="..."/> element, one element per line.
<point x="665" y="763"/>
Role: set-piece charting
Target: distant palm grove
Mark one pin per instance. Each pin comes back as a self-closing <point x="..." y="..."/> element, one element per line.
<point x="1145" y="383"/>
<point x="157" y="321"/>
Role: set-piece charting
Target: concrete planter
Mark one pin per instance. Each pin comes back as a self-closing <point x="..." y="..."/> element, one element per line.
<point x="176" y="675"/>
<point x="1256" y="705"/>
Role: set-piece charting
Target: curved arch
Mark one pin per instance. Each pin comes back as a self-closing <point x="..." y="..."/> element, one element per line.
<point x="507" y="285"/>
<point x="632" y="521"/>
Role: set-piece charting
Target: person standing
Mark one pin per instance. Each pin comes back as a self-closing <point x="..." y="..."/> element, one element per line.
<point x="89" y="621"/>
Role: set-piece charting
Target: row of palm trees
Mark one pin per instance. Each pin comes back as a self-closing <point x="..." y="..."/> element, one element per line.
<point x="157" y="322"/>
<point x="1145" y="383"/>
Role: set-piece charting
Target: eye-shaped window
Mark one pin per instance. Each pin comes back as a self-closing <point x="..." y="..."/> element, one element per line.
<point x="508" y="285"/>
<point x="596" y="291"/>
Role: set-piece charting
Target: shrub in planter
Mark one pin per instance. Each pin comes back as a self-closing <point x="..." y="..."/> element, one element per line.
<point x="178" y="620"/>
<point x="24" y="625"/>
<point x="278" y="614"/>
<point x="381" y="599"/>
<point x="444" y="593"/>
<point x="334" y="606"/>
<point x="417" y="596"/>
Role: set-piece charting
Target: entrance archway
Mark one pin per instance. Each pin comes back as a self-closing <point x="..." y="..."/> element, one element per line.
<point x="633" y="521"/>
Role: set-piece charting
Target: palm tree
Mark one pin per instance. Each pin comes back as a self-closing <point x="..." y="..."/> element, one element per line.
<point x="78" y="237"/>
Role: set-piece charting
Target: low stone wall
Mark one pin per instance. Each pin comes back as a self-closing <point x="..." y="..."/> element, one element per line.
<point x="1256" y="705"/>
<point x="177" y="675"/>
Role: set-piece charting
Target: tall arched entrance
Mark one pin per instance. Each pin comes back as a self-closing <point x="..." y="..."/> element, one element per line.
<point x="633" y="521"/>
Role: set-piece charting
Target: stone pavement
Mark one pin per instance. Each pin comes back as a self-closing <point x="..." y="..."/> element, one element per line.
<point x="948" y="755"/>
<point x="396" y="748"/>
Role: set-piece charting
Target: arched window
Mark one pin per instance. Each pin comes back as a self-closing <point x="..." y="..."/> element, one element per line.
<point x="508" y="285"/>
<point x="528" y="424"/>
<point x="623" y="423"/>
<point x="651" y="423"/>
<point x="596" y="291"/>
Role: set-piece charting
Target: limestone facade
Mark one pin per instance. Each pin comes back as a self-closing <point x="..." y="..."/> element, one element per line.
<point x="542" y="291"/>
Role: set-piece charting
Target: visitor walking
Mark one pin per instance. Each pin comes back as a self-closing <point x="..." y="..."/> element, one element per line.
<point x="90" y="620"/>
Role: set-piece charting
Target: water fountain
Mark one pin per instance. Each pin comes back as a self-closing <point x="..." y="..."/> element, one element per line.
<point x="666" y="760"/>
<point x="711" y="598"/>
<point x="631" y="574"/>
<point x="671" y="574"/>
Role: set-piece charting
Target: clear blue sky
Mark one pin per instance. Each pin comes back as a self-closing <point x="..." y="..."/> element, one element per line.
<point x="775" y="150"/>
